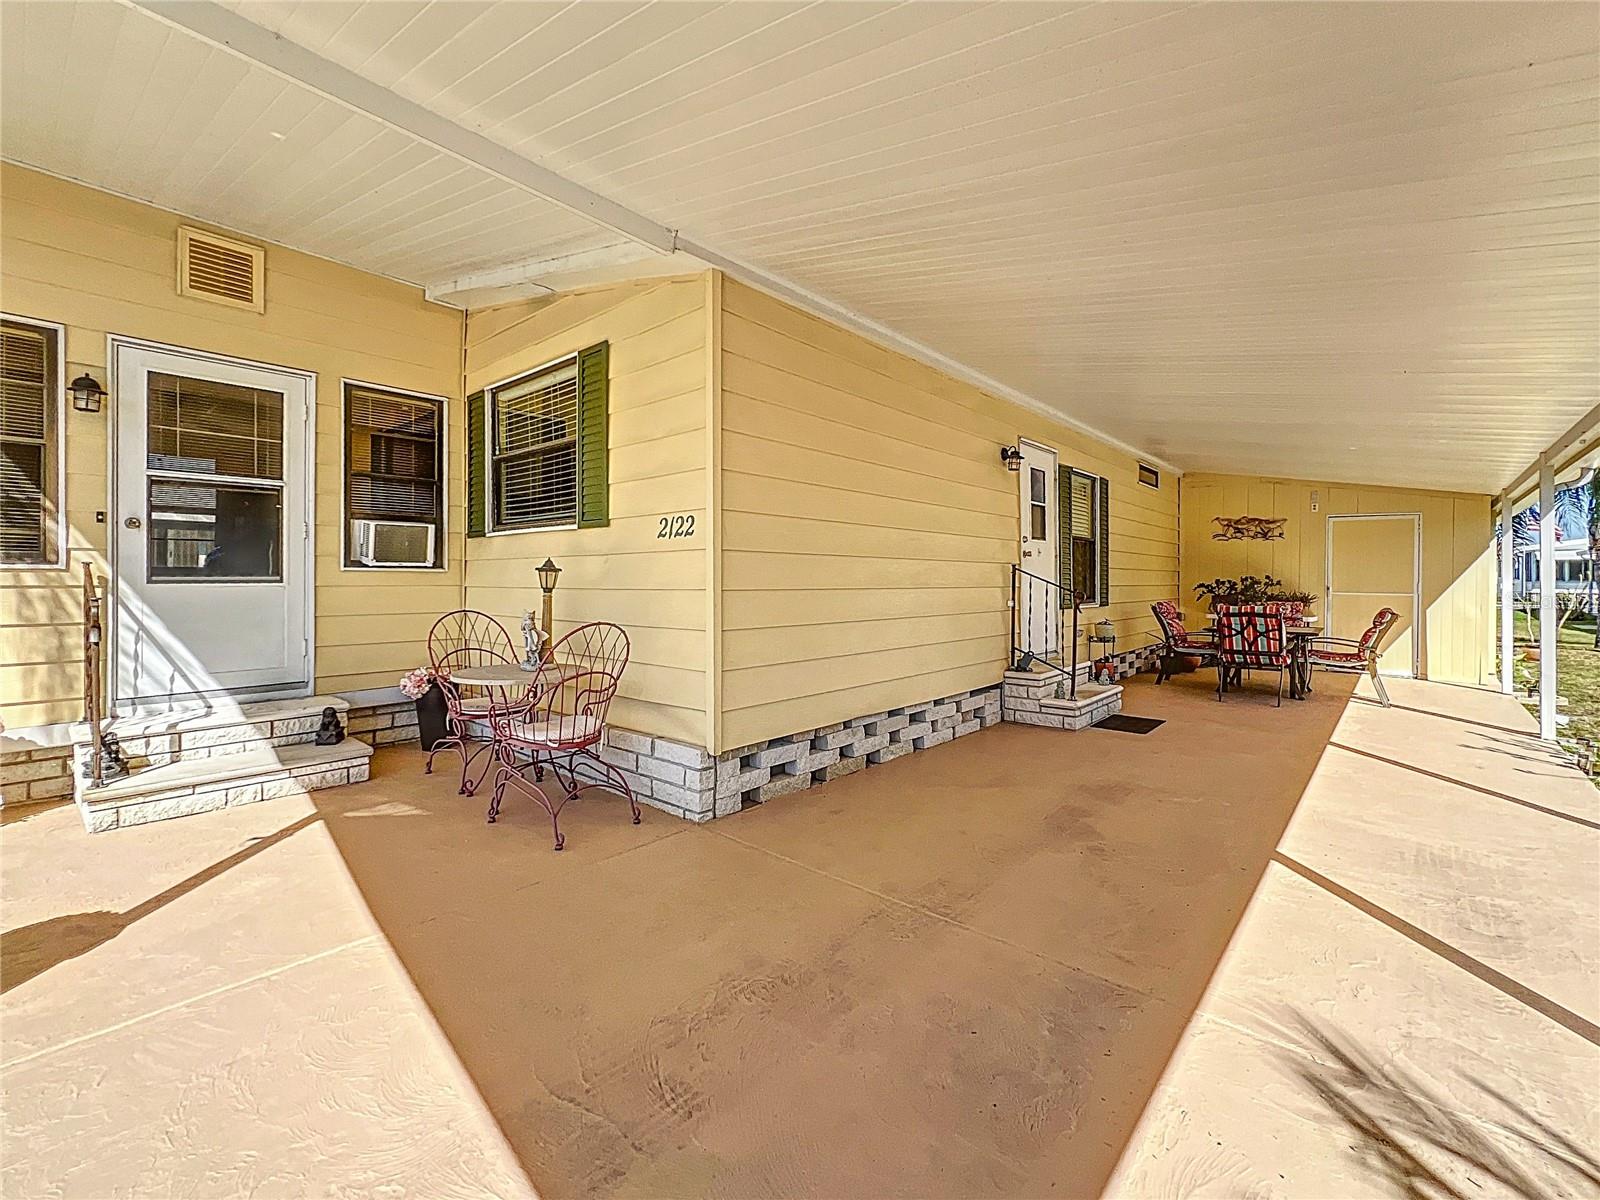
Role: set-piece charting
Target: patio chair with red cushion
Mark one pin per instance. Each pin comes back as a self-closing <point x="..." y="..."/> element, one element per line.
<point x="1250" y="637"/>
<point x="556" y="739"/>
<point x="466" y="638"/>
<point x="1362" y="653"/>
<point x="1177" y="642"/>
<point x="1294" y="611"/>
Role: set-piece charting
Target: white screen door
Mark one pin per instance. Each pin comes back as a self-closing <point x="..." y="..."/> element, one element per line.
<point x="210" y="529"/>
<point x="1372" y="565"/>
<point x="1040" y="619"/>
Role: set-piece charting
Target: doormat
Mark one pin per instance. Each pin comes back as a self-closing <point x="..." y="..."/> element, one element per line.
<point x="1122" y="723"/>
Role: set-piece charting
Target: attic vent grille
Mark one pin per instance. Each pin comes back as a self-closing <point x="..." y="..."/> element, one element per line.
<point x="220" y="270"/>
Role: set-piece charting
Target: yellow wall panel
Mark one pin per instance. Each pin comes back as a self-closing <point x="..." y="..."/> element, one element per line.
<point x="870" y="528"/>
<point x="622" y="572"/>
<point x="101" y="265"/>
<point x="1455" y="629"/>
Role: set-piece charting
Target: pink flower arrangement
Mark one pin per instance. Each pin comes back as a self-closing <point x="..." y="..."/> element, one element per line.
<point x="415" y="684"/>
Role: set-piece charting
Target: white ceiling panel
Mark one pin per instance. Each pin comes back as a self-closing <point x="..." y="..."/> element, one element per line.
<point x="1329" y="240"/>
<point x="169" y="118"/>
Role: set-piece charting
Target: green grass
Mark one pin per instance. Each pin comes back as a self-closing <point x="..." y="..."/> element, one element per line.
<point x="1577" y="674"/>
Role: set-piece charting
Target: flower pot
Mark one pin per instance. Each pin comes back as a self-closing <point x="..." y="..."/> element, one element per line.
<point x="433" y="723"/>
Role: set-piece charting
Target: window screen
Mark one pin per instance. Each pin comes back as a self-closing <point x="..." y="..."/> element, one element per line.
<point x="1083" y="549"/>
<point x="534" y="448"/>
<point x="393" y="461"/>
<point x="29" y="413"/>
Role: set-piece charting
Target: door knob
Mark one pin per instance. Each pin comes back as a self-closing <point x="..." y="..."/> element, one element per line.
<point x="131" y="522"/>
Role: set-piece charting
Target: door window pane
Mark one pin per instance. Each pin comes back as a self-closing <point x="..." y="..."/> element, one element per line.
<point x="209" y="531"/>
<point x="1040" y="521"/>
<point x="205" y="427"/>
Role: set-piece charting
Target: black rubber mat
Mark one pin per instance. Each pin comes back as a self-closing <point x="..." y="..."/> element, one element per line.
<point x="1122" y="723"/>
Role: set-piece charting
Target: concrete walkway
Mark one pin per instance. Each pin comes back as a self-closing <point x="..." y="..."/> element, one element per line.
<point x="1327" y="950"/>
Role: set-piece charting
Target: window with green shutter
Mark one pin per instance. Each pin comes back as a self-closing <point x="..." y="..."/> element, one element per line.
<point x="1086" y="535"/>
<point x="537" y="448"/>
<point x="30" y="423"/>
<point x="476" y="490"/>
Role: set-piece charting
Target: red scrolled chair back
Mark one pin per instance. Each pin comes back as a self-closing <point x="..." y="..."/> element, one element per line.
<point x="1373" y="637"/>
<point x="467" y="638"/>
<point x="1167" y="617"/>
<point x="597" y="646"/>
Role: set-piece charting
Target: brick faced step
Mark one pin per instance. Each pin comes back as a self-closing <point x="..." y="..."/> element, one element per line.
<point x="198" y="785"/>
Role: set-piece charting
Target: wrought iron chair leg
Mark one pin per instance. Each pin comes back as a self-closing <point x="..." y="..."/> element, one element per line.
<point x="1280" y="687"/>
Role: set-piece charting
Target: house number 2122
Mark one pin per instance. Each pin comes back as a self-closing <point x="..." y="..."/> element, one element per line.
<point x="680" y="526"/>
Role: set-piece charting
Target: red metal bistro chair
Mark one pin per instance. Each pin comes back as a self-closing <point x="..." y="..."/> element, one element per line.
<point x="1250" y="637"/>
<point x="1363" y="653"/>
<point x="1177" y="642"/>
<point x="556" y="737"/>
<point x="466" y="638"/>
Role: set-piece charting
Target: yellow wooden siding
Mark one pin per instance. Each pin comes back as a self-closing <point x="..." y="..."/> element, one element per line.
<point x="868" y="527"/>
<point x="99" y="264"/>
<point x="623" y="572"/>
<point x="1457" y="622"/>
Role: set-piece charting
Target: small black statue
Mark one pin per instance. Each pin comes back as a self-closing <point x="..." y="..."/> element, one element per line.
<point x="113" y="760"/>
<point x="330" y="733"/>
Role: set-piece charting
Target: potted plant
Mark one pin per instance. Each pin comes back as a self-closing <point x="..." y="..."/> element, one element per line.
<point x="423" y="685"/>
<point x="1251" y="589"/>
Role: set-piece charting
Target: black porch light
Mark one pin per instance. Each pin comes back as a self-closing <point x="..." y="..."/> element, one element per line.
<point x="1012" y="457"/>
<point x="548" y="573"/>
<point x="86" y="393"/>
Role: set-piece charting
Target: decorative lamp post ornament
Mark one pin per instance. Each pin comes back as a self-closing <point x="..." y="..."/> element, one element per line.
<point x="548" y="574"/>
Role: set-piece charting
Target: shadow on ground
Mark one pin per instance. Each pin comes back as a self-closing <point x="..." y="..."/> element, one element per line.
<point x="958" y="974"/>
<point x="1410" y="1137"/>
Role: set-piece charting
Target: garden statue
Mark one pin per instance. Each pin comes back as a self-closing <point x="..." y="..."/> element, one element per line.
<point x="330" y="732"/>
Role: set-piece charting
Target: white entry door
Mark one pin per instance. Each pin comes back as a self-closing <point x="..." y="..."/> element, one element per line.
<point x="210" y="529"/>
<point x="1373" y="564"/>
<point x="1040" y="618"/>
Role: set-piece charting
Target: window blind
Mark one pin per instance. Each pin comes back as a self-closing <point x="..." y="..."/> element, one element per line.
<point x="27" y="425"/>
<point x="535" y="436"/>
<point x="393" y="459"/>
<point x="206" y="427"/>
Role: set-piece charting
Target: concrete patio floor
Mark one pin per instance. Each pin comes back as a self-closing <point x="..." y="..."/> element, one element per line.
<point x="1327" y="950"/>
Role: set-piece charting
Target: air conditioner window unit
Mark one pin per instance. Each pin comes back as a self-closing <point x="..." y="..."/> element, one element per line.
<point x="394" y="543"/>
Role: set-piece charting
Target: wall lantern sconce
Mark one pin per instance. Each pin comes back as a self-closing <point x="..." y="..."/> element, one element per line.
<point x="1012" y="457"/>
<point x="548" y="573"/>
<point x="86" y="393"/>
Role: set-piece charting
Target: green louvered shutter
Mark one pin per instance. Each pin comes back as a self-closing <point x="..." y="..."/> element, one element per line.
<point x="477" y="468"/>
<point x="594" y="490"/>
<point x="1064" y="534"/>
<point x="1103" y="536"/>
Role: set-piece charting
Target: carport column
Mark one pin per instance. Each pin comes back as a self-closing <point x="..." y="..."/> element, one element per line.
<point x="1508" y="605"/>
<point x="1547" y="599"/>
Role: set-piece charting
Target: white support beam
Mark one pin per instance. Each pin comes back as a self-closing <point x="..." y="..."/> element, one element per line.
<point x="1568" y="445"/>
<point x="1547" y="598"/>
<point x="1508" y="605"/>
<point x="243" y="37"/>
<point x="519" y="280"/>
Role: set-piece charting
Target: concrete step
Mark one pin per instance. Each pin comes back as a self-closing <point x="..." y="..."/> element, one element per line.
<point x="194" y="785"/>
<point x="1029" y="699"/>
<point x="207" y="731"/>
